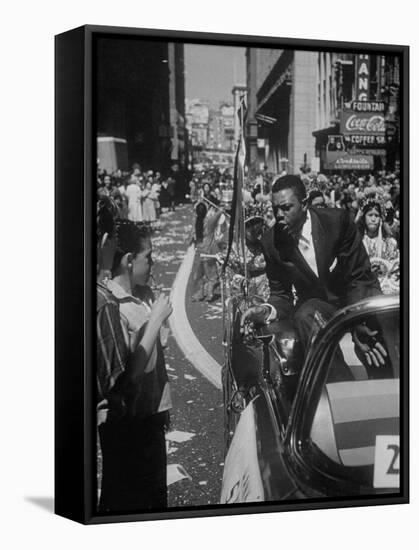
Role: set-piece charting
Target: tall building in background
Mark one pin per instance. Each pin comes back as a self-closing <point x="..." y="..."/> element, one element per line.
<point x="176" y="63"/>
<point x="227" y="118"/>
<point x="211" y="133"/>
<point x="221" y="128"/>
<point x="197" y="121"/>
<point x="140" y="100"/>
<point x="214" y="129"/>
<point x="281" y="109"/>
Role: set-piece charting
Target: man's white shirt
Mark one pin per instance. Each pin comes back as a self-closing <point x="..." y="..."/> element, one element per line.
<point x="306" y="246"/>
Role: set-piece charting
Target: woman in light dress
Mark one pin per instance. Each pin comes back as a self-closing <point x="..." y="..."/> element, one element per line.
<point x="134" y="194"/>
<point x="149" y="197"/>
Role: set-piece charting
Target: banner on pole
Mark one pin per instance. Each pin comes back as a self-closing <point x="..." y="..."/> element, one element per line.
<point x="236" y="231"/>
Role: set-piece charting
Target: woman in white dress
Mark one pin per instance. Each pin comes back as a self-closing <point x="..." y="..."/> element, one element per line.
<point x="149" y="204"/>
<point x="134" y="194"/>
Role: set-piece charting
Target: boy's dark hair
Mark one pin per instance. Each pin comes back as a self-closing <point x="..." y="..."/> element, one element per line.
<point x="131" y="237"/>
<point x="290" y="182"/>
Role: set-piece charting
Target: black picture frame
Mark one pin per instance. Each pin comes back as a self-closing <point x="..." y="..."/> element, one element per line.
<point x="75" y="142"/>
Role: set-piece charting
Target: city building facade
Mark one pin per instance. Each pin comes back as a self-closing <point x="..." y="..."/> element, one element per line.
<point x="321" y="111"/>
<point x="211" y="133"/>
<point x="221" y="128"/>
<point x="358" y="112"/>
<point x="140" y="102"/>
<point x="197" y="119"/>
<point x="178" y="133"/>
<point x="281" y="109"/>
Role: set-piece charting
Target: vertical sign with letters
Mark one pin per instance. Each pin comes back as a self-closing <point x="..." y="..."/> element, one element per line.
<point x="362" y="80"/>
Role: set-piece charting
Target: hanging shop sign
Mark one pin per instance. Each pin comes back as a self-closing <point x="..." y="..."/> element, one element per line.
<point x="335" y="160"/>
<point x="368" y="106"/>
<point x="374" y="152"/>
<point x="352" y="122"/>
<point x="362" y="72"/>
<point x="365" y="140"/>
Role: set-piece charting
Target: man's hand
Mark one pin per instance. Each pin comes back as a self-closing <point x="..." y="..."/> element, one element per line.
<point x="254" y="316"/>
<point x="368" y="347"/>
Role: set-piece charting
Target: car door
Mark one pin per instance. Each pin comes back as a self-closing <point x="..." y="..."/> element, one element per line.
<point x="343" y="434"/>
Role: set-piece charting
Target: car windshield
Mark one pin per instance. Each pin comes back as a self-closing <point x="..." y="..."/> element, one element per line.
<point x="355" y="427"/>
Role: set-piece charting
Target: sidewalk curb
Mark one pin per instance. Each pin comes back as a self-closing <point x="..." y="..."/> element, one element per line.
<point x="182" y="330"/>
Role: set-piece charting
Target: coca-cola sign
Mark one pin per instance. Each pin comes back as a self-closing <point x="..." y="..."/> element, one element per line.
<point x="352" y="122"/>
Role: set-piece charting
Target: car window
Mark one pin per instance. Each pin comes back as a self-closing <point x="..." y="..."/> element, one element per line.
<point x="358" y="411"/>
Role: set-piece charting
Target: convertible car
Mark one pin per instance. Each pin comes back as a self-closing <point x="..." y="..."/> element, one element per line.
<point x="319" y="427"/>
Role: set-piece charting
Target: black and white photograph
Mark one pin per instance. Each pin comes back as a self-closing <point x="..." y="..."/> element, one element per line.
<point x="250" y="257"/>
<point x="209" y="254"/>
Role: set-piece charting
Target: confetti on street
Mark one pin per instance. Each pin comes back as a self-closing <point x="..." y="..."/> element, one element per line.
<point x="179" y="437"/>
<point x="176" y="472"/>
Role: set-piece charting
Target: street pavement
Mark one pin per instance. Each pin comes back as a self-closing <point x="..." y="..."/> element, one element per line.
<point x="195" y="439"/>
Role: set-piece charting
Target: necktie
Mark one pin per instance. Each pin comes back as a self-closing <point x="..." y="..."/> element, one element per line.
<point x="307" y="250"/>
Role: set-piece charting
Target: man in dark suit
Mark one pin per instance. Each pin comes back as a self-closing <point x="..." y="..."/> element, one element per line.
<point x="315" y="263"/>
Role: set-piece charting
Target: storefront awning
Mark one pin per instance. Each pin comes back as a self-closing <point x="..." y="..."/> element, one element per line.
<point x="324" y="132"/>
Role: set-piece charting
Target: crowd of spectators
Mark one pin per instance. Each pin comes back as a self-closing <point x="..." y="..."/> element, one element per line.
<point x="140" y="196"/>
<point x="143" y="195"/>
<point x="363" y="196"/>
